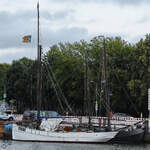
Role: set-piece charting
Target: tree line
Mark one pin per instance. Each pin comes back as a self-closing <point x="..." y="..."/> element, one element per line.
<point x="63" y="67"/>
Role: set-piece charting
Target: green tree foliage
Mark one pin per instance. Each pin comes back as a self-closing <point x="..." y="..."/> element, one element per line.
<point x="3" y="70"/>
<point x="66" y="63"/>
<point x="20" y="82"/>
<point x="63" y="67"/>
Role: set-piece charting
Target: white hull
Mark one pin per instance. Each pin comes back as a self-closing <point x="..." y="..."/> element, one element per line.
<point x="26" y="134"/>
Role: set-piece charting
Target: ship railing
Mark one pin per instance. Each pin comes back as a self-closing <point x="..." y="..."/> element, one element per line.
<point x="95" y="121"/>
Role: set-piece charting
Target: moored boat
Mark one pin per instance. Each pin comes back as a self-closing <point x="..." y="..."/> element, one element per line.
<point x="20" y="133"/>
<point x="131" y="134"/>
<point x="86" y="135"/>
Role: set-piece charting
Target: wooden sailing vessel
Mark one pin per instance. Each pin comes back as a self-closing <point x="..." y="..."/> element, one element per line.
<point x="21" y="133"/>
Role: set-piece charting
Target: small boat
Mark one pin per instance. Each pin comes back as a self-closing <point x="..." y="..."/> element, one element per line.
<point x="131" y="134"/>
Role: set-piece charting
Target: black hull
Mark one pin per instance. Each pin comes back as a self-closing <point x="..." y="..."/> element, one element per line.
<point x="134" y="136"/>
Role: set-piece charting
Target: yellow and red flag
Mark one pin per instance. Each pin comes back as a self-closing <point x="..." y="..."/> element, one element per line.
<point x="27" y="39"/>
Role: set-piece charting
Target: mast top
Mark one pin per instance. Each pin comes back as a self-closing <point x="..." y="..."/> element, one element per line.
<point x="37" y="4"/>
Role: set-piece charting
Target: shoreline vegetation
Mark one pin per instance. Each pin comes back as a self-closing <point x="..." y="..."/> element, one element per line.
<point x="128" y="73"/>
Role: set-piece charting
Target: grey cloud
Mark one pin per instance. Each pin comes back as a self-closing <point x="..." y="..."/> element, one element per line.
<point x="57" y="15"/>
<point x="9" y="57"/>
<point x="64" y="35"/>
<point x="127" y="2"/>
<point x="143" y="19"/>
<point x="5" y="17"/>
<point x="47" y="39"/>
<point x="13" y="26"/>
<point x="120" y="2"/>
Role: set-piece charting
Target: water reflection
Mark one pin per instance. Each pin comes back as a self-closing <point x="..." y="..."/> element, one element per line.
<point x="15" y="145"/>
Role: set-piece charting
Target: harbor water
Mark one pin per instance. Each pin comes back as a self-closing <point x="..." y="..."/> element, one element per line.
<point x="15" y="145"/>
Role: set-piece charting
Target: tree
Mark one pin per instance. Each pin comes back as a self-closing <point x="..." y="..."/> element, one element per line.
<point x="3" y="70"/>
<point x="19" y="84"/>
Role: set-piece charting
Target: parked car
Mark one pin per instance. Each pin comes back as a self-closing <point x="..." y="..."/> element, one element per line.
<point x="27" y="115"/>
<point x="32" y="114"/>
<point x="121" y="115"/>
<point x="46" y="114"/>
<point x="6" y="117"/>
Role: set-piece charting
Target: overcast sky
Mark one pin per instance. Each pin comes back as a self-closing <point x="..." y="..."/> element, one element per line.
<point x="68" y="21"/>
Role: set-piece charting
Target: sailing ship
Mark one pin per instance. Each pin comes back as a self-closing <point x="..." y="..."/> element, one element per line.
<point x="71" y="133"/>
<point x="20" y="133"/>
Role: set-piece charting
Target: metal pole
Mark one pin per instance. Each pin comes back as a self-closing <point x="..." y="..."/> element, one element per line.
<point x="149" y="103"/>
<point x="96" y="105"/>
<point x="39" y="48"/>
<point x="85" y="84"/>
<point x="106" y="86"/>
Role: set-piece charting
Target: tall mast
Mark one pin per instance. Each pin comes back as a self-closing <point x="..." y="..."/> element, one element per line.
<point x="87" y="102"/>
<point x="38" y="28"/>
<point x="85" y="84"/>
<point x="106" y="84"/>
<point x="38" y="69"/>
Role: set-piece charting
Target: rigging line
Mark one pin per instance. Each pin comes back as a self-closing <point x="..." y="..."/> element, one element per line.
<point x="61" y="93"/>
<point x="100" y="97"/>
<point x="105" y="103"/>
<point x="125" y="91"/>
<point x="107" y="106"/>
<point x="123" y="87"/>
<point x="54" y="88"/>
<point x="53" y="76"/>
<point x="56" y="93"/>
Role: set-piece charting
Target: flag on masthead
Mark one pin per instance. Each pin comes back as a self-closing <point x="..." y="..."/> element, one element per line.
<point x="27" y="39"/>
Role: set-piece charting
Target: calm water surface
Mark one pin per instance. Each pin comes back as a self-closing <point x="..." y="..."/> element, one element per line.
<point x="14" y="145"/>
